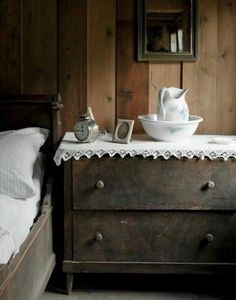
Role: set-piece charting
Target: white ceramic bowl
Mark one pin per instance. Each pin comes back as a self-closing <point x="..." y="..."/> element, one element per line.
<point x="169" y="131"/>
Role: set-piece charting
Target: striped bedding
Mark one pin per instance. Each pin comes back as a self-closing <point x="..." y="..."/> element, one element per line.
<point x="17" y="217"/>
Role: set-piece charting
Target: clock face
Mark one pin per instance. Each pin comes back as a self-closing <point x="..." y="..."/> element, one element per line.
<point x="81" y="130"/>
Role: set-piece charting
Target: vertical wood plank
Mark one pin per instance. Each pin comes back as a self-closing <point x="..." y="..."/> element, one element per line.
<point x="72" y="59"/>
<point x="132" y="77"/>
<point x="226" y="68"/>
<point x="10" y="46"/>
<point x="39" y="30"/>
<point x="162" y="75"/>
<point x="200" y="77"/>
<point x="101" y="61"/>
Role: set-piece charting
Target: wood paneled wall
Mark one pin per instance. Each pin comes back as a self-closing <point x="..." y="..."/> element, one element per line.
<point x="102" y="60"/>
<point x="86" y="50"/>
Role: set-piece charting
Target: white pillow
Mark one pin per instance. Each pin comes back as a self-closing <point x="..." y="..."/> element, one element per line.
<point x="32" y="130"/>
<point x="26" y="131"/>
<point x="5" y="132"/>
<point x="18" y="154"/>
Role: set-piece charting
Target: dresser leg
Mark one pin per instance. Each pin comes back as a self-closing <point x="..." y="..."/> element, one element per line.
<point x="69" y="282"/>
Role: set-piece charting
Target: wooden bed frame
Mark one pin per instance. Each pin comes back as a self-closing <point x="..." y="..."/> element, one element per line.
<point x="26" y="275"/>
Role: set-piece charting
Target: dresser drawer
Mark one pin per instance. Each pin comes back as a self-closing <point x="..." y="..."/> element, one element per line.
<point x="115" y="183"/>
<point x="154" y="237"/>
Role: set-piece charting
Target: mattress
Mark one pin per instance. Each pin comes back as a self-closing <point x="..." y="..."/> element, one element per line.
<point x="17" y="216"/>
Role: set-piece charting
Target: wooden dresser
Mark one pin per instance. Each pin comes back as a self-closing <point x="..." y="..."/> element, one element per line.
<point x="145" y="215"/>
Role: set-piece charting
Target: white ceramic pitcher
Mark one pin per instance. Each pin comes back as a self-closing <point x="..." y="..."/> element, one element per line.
<point x="172" y="104"/>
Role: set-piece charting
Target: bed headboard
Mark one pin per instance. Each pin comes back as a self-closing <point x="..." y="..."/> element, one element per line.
<point x="19" y="111"/>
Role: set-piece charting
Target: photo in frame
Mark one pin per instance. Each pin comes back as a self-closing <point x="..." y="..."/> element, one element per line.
<point x="123" y="131"/>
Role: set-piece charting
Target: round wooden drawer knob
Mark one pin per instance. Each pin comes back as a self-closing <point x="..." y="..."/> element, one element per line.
<point x="211" y="184"/>
<point x="99" y="237"/>
<point x="99" y="184"/>
<point x="209" y="237"/>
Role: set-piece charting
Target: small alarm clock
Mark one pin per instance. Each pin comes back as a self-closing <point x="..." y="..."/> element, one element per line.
<point x="86" y="130"/>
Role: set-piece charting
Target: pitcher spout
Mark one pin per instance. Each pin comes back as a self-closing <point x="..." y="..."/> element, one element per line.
<point x="176" y="93"/>
<point x="184" y="92"/>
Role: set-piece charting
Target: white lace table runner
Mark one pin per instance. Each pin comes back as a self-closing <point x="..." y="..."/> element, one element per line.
<point x="200" y="146"/>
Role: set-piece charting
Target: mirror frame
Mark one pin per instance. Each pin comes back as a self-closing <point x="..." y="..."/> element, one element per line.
<point x="144" y="55"/>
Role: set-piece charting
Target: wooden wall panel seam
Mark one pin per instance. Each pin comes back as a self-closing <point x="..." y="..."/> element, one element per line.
<point x="101" y="61"/>
<point x="132" y="76"/>
<point x="62" y="67"/>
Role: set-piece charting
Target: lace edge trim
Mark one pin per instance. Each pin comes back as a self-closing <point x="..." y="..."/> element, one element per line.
<point x="212" y="155"/>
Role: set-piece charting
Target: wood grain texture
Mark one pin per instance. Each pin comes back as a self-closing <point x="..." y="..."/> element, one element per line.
<point x="72" y="22"/>
<point x="102" y="61"/>
<point x="165" y="6"/>
<point x="132" y="77"/>
<point x="161" y="75"/>
<point x="68" y="227"/>
<point x="44" y="50"/>
<point x="156" y="237"/>
<point x="39" y="37"/>
<point x="26" y="275"/>
<point x="10" y="49"/>
<point x="162" y="207"/>
<point x="200" y="77"/>
<point x="226" y="69"/>
<point x="150" y="268"/>
<point x="145" y="184"/>
<point x="19" y="111"/>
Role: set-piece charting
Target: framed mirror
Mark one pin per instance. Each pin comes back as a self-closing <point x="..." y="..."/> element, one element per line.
<point x="167" y="30"/>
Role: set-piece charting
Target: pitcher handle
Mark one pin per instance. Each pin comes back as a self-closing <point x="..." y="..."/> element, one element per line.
<point x="161" y="103"/>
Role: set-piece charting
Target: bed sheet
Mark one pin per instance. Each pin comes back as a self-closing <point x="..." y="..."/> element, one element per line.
<point x="17" y="217"/>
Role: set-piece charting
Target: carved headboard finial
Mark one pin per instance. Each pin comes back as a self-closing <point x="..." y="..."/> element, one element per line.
<point x="57" y="105"/>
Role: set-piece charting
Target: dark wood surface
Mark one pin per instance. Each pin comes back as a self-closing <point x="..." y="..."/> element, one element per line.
<point x="149" y="216"/>
<point x="19" y="111"/>
<point x="173" y="268"/>
<point x="132" y="77"/>
<point x="10" y="52"/>
<point x="154" y="237"/>
<point x="68" y="226"/>
<point x="72" y="58"/>
<point x="153" y="184"/>
<point x="26" y="275"/>
<point x="39" y="46"/>
<point x="44" y="47"/>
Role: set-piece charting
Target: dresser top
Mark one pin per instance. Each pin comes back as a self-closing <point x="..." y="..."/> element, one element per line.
<point x="198" y="146"/>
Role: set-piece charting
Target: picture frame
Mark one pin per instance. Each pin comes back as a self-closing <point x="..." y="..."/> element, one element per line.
<point x="123" y="131"/>
<point x="167" y="30"/>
